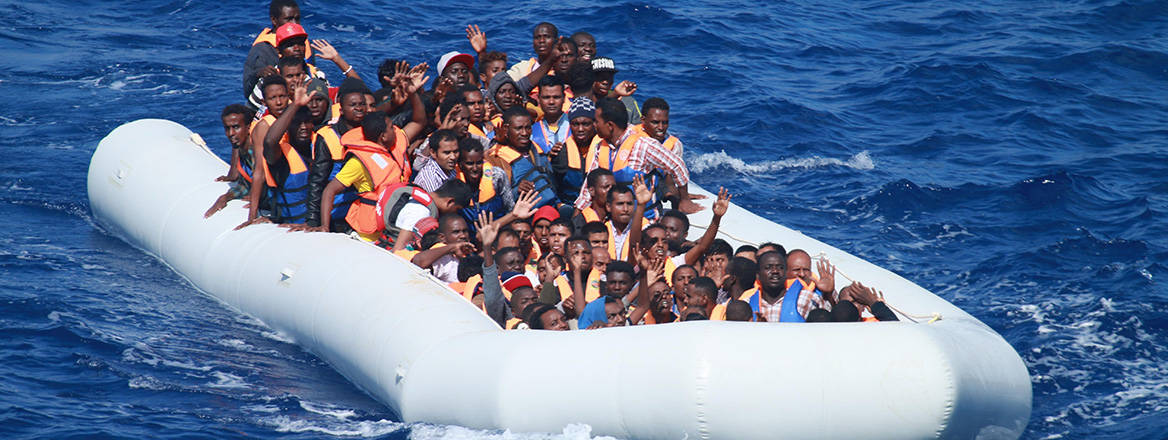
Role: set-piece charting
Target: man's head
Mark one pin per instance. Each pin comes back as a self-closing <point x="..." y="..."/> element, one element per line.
<point x="300" y="130"/>
<point x="738" y="310"/>
<point x="620" y="205"/>
<point x="276" y="96"/>
<point x="558" y="233"/>
<point x="470" y="159"/>
<point x="544" y="317"/>
<point x="504" y="92"/>
<point x="551" y="97"/>
<point x="772" y="271"/>
<point x="236" y="120"/>
<point x="543" y="37"/>
<point x="318" y="100"/>
<point x="747" y="251"/>
<point x="581" y="78"/>
<point x="291" y="39"/>
<point x="578" y="252"/>
<point x="614" y="312"/>
<point x="351" y="95"/>
<point x="452" y="228"/>
<point x="521" y="298"/>
<point x="620" y="278"/>
<point x="612" y="118"/>
<point x="596" y="233"/>
<point x="799" y="265"/>
<point x="507" y="238"/>
<point x="605" y="71"/>
<point x="490" y="64"/>
<point x="376" y="128"/>
<point x="771" y="247"/>
<point x="444" y="149"/>
<point x="582" y="121"/>
<point x="509" y="259"/>
<point x="283" y="11"/>
<point x="456" y="67"/>
<point x="676" y="225"/>
<point x="386" y="71"/>
<point x="743" y="273"/>
<point x="567" y="58"/>
<point x="293" y="69"/>
<point x="600" y="259"/>
<point x="681" y="279"/>
<point x="541" y="224"/>
<point x="472" y="97"/>
<point x="655" y="118"/>
<point x="454" y="110"/>
<point x="523" y="229"/>
<point x="517" y="128"/>
<point x="660" y="298"/>
<point x="717" y="256"/>
<point x="600" y="181"/>
<point x="653" y="239"/>
<point x="585" y="45"/>
<point x="452" y="196"/>
<point x="703" y="293"/>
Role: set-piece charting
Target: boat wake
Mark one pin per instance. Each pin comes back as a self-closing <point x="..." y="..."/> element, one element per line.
<point x="714" y="161"/>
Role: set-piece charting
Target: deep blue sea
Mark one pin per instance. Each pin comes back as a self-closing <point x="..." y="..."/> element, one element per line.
<point x="1010" y="156"/>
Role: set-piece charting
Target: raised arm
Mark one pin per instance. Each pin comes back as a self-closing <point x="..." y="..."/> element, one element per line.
<point x="478" y="40"/>
<point x="418" y="122"/>
<point x="493" y="301"/>
<point x="328" y="52"/>
<point x="720" y="207"/>
<point x="643" y="197"/>
<point x="425" y="259"/>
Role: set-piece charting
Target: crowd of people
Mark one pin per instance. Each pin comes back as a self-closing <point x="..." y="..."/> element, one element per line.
<point x="540" y="190"/>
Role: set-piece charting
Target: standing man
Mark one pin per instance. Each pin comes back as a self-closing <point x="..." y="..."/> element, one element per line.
<point x="526" y="169"/>
<point x="543" y="39"/>
<point x="262" y="58"/>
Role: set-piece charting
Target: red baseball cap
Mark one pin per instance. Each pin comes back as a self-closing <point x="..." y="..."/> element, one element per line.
<point x="289" y="30"/>
<point x="546" y="212"/>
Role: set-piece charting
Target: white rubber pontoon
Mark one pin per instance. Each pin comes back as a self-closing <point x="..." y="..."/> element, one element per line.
<point x="430" y="355"/>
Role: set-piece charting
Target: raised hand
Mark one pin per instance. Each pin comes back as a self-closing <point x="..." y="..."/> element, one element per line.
<point x="826" y="282"/>
<point x="445" y="85"/>
<point x="641" y="191"/>
<point x="478" y="39"/>
<point x="655" y="271"/>
<point x="324" y="50"/>
<point x="525" y="206"/>
<point x="300" y="94"/>
<point x="723" y="202"/>
<point x="448" y="122"/>
<point x="462" y="249"/>
<point x="417" y="78"/>
<point x="487" y="229"/>
<point x="625" y="88"/>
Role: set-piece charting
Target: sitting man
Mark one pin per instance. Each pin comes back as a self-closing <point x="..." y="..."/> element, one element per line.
<point x="526" y="169"/>
<point x="453" y="245"/>
<point x="236" y="119"/>
<point x="585" y="45"/>
<point x="369" y="168"/>
<point x="568" y="164"/>
<point x="440" y="164"/>
<point x="777" y="299"/>
<point x="544" y="317"/>
<point x="492" y="190"/>
<point x="619" y="288"/>
<point x="288" y="149"/>
<point x="262" y="57"/>
<point x="405" y="206"/>
<point x="599" y="182"/>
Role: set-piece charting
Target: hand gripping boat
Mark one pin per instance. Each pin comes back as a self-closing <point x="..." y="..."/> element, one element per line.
<point x="431" y="356"/>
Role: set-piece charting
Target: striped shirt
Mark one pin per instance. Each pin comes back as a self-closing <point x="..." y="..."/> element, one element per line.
<point x="430" y="175"/>
<point x="647" y="155"/>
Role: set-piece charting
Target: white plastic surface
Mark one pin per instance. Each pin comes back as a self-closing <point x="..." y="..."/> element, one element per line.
<point x="427" y="353"/>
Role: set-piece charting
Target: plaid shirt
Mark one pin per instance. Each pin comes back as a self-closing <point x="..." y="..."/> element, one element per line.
<point x="647" y="154"/>
<point x="808" y="300"/>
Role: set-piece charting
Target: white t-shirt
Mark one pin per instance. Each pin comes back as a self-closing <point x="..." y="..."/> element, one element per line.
<point x="409" y="216"/>
<point x="446" y="268"/>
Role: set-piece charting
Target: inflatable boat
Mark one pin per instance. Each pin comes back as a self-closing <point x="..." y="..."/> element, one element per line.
<point x="431" y="356"/>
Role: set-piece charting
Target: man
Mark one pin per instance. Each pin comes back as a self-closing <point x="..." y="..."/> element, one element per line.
<point x="490" y="187"/>
<point x="455" y="66"/>
<point x="558" y="232"/>
<point x="676" y="225"/>
<point x="580" y="80"/>
<point x="476" y="104"/>
<point x="543" y="41"/>
<point x="597" y="234"/>
<point x="288" y="149"/>
<point x="276" y="99"/>
<point x="262" y="57"/>
<point x="568" y="164"/>
<point x="599" y="182"/>
<point x="776" y="299"/>
<point x="629" y="154"/>
<point x="441" y="163"/>
<point x="408" y="209"/>
<point x="551" y="130"/>
<point x="291" y="42"/>
<point x="328" y="155"/>
<point x="715" y="260"/>
<point x="655" y="124"/>
<point x="351" y="96"/>
<point x="605" y="85"/>
<point x="454" y="245"/>
<point x="585" y="45"/>
<point x="626" y="208"/>
<point x="236" y="119"/>
<point x="799" y="272"/>
<point x="620" y="279"/>
<point x="369" y="167"/>
<point x="540" y="226"/>
<point x="526" y="169"/>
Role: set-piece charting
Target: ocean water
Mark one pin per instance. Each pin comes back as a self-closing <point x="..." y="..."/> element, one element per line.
<point x="1010" y="156"/>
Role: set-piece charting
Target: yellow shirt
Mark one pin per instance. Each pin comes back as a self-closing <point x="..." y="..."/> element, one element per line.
<point x="354" y="175"/>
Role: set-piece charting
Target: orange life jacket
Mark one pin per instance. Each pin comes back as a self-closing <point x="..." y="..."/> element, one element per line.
<point x="400" y="144"/>
<point x="268" y="36"/>
<point x="364" y="216"/>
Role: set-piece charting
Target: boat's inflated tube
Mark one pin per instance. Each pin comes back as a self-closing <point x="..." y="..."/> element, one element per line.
<point x="426" y="352"/>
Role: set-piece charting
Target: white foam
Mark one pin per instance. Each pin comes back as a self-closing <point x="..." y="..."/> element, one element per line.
<point x="280" y="337"/>
<point x="448" y="432"/>
<point x="364" y="428"/>
<point x="328" y="410"/>
<point x="709" y="161"/>
<point x="227" y="381"/>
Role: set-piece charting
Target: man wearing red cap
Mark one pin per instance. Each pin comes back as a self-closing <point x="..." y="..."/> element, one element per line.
<point x="262" y="58"/>
<point x="292" y="42"/>
<point x="456" y="67"/>
<point x="541" y="225"/>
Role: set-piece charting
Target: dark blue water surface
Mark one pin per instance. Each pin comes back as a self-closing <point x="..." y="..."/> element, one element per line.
<point x="1010" y="156"/>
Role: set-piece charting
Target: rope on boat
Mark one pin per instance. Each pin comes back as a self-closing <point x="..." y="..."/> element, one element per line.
<point x="932" y="318"/>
